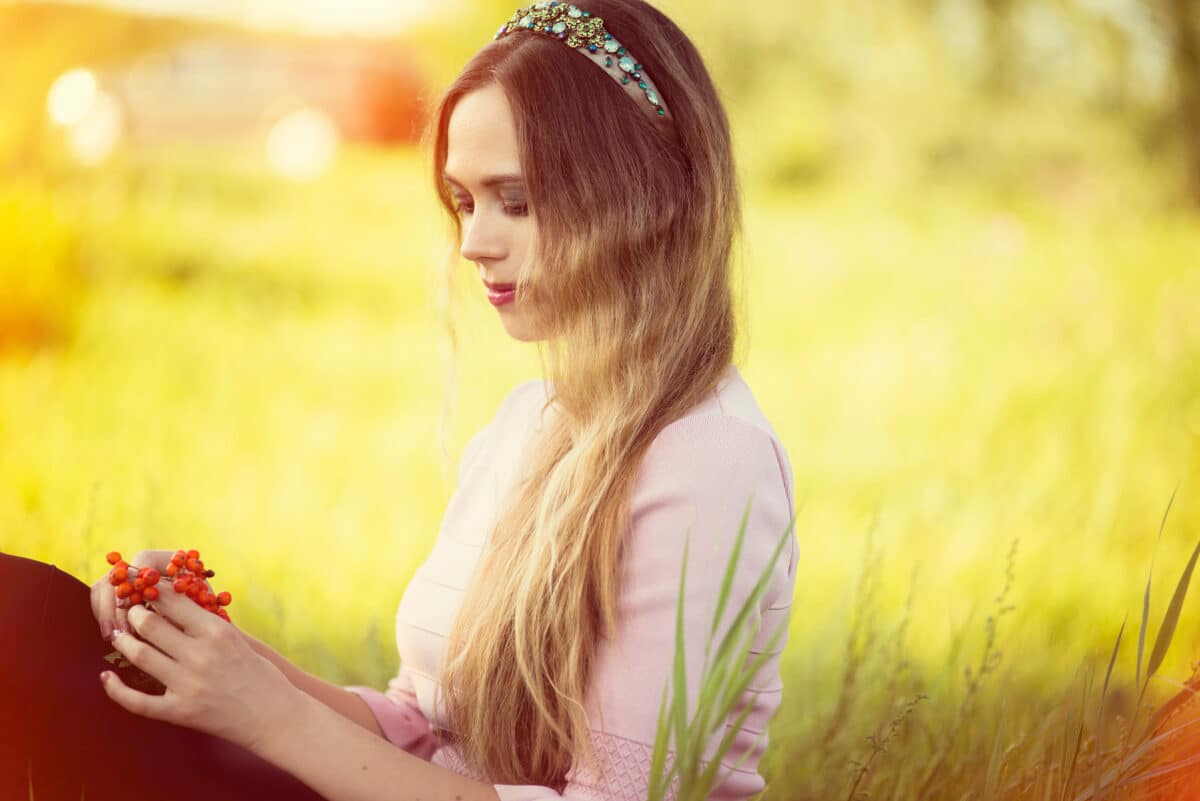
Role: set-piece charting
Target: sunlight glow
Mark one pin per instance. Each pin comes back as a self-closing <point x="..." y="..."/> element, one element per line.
<point x="302" y="144"/>
<point x="71" y="96"/>
<point x="93" y="138"/>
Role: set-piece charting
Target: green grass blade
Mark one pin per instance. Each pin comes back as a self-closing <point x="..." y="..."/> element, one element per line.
<point x="722" y="682"/>
<point x="679" y="706"/>
<point x="1112" y="660"/>
<point x="1186" y="693"/>
<point x="993" y="771"/>
<point x="1069" y="768"/>
<point x="1146" y="601"/>
<point x="727" y="582"/>
<point x="662" y="734"/>
<point x="1166" y="630"/>
<point x="760" y="587"/>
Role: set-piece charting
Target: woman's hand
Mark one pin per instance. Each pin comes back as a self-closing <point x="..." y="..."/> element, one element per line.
<point x="215" y="681"/>
<point x="104" y="596"/>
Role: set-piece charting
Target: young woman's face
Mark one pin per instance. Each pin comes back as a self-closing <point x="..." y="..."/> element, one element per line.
<point x="483" y="172"/>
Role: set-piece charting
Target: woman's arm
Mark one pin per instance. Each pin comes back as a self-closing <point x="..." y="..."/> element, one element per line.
<point x="336" y="698"/>
<point x="342" y="763"/>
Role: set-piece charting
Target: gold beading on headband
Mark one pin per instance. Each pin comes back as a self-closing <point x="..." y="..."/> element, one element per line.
<point x="580" y="30"/>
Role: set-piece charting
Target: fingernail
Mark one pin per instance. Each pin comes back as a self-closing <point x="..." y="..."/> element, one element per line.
<point x="106" y="630"/>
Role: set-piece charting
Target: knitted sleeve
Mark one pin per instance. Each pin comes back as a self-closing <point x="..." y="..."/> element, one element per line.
<point x="697" y="478"/>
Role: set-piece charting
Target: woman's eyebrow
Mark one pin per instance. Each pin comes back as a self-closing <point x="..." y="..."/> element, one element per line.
<point x="489" y="181"/>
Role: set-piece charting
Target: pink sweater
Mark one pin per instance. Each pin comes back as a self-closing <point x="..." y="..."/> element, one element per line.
<point x="697" y="474"/>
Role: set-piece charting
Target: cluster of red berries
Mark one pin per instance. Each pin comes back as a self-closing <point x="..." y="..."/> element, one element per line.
<point x="185" y="568"/>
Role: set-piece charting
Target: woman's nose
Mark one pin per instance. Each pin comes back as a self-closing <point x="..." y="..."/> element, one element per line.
<point x="482" y="238"/>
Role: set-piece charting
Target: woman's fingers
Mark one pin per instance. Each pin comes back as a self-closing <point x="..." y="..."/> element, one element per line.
<point x="104" y="606"/>
<point x="146" y="656"/>
<point x="111" y="616"/>
<point x="120" y="617"/>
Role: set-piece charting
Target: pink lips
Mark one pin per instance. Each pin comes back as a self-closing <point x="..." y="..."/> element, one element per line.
<point x="501" y="294"/>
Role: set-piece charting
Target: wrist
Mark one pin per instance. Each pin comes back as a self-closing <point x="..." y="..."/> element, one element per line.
<point x="284" y="727"/>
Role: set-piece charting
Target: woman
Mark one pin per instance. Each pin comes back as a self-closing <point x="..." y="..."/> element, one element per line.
<point x="585" y="159"/>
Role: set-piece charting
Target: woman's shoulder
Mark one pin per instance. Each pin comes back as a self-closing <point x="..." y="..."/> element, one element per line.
<point x="705" y="474"/>
<point x="726" y="441"/>
<point x="728" y="422"/>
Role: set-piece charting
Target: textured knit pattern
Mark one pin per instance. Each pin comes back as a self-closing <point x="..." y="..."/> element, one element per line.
<point x="695" y="480"/>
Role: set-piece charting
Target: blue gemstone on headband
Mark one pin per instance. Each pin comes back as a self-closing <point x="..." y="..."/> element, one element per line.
<point x="662" y="113"/>
<point x="608" y="62"/>
<point x="641" y="84"/>
<point x="574" y="12"/>
<point x="612" y="46"/>
<point x="652" y="97"/>
<point x="626" y="63"/>
<point x="608" y="36"/>
<point x="553" y="3"/>
<point x="591" y="48"/>
<point x="587" y="13"/>
<point x="559" y="27"/>
<point x="526" y="21"/>
<point x="625" y="79"/>
<point x="547" y="29"/>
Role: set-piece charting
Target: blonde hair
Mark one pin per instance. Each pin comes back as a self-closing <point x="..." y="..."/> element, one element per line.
<point x="630" y="282"/>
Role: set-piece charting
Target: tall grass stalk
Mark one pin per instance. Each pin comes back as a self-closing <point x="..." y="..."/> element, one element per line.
<point x="722" y="683"/>
<point x="981" y="747"/>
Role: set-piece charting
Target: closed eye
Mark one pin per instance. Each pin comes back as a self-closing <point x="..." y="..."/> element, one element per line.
<point x="513" y="210"/>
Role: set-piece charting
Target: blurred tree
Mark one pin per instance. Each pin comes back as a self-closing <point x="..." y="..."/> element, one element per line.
<point x="1001" y="44"/>
<point x="1184" y="19"/>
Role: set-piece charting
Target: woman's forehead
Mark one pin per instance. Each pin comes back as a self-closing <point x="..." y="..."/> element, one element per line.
<point x="481" y="138"/>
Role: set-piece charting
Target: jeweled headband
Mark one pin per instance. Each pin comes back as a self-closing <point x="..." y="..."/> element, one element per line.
<point x="580" y="30"/>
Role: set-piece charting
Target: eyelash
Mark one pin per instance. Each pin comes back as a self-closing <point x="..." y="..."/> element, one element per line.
<point x="519" y="210"/>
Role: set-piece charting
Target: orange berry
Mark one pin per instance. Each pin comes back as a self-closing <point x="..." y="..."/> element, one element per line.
<point x="172" y="569"/>
<point x="180" y="585"/>
<point x="120" y="573"/>
<point x="152" y="577"/>
<point x="124" y="589"/>
<point x="139" y="584"/>
<point x="224" y="598"/>
<point x="151" y="594"/>
<point x="113" y="557"/>
<point x="193" y="554"/>
<point x="135" y="598"/>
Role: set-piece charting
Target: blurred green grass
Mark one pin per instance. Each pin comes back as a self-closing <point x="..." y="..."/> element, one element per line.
<point x="258" y="374"/>
<point x="971" y="320"/>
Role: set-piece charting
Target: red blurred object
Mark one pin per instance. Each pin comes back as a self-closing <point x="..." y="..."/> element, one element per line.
<point x="228" y="88"/>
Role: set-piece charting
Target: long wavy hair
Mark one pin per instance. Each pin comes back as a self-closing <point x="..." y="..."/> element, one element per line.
<point x="630" y="286"/>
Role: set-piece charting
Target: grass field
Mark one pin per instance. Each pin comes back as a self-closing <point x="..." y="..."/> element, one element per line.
<point x="257" y="372"/>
